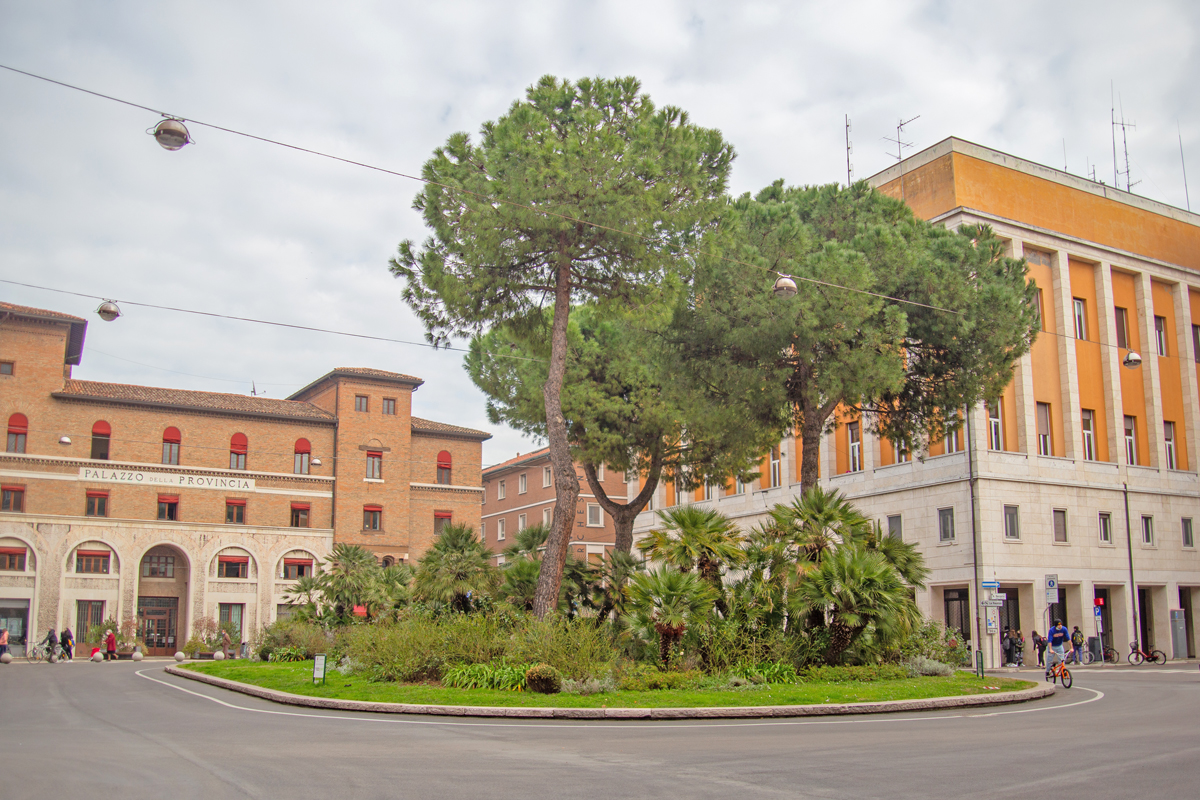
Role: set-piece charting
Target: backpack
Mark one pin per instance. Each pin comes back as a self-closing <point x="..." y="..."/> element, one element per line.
<point x="1077" y="638"/>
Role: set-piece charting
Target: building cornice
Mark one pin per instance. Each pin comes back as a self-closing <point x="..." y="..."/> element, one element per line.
<point x="442" y="487"/>
<point x="331" y="422"/>
<point x="27" y="458"/>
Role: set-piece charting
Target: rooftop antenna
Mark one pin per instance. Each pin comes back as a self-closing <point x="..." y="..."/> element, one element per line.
<point x="1065" y="169"/>
<point x="849" y="150"/>
<point x="1124" y="126"/>
<point x="900" y="145"/>
<point x="253" y="390"/>
<point x="1183" y="164"/>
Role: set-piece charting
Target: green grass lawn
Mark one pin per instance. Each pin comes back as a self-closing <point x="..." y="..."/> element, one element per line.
<point x="296" y="678"/>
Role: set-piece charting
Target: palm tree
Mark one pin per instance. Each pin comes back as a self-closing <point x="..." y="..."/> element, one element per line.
<point x="351" y="578"/>
<point x="854" y="587"/>
<point x="520" y="581"/>
<point x="820" y="521"/>
<point x="610" y="592"/>
<point x="904" y="556"/>
<point x="761" y="594"/>
<point x="455" y="568"/>
<point x="667" y="600"/>
<point x="528" y="543"/>
<point x="695" y="537"/>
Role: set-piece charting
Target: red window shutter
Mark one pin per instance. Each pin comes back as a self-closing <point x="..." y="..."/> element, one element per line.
<point x="303" y="446"/>
<point x="301" y="506"/>
<point x="442" y="515"/>
<point x="96" y="493"/>
<point x="229" y="501"/>
<point x="234" y="559"/>
<point x="292" y="562"/>
<point x="374" y="454"/>
<point x="12" y="488"/>
<point x="101" y="428"/>
<point x="372" y="508"/>
<point x="239" y="443"/>
<point x="168" y="498"/>
<point x="172" y="436"/>
<point x="93" y="553"/>
<point x="18" y="423"/>
<point x="443" y="460"/>
<point x="12" y="551"/>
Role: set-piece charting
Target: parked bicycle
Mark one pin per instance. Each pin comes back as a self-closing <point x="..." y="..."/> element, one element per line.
<point x="1137" y="655"/>
<point x="1059" y="672"/>
<point x="38" y="652"/>
<point x="1111" y="656"/>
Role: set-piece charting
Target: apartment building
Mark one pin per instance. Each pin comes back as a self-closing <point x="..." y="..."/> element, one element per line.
<point x="1080" y="435"/>
<point x="166" y="506"/>
<point x="519" y="493"/>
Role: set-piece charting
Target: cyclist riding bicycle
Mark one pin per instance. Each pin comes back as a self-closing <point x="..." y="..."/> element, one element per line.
<point x="1058" y="636"/>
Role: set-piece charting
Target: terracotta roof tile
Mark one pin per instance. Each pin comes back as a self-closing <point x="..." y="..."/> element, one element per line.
<point x="12" y="308"/>
<point x="544" y="452"/>
<point x="368" y="372"/>
<point x="429" y="426"/>
<point x="186" y="398"/>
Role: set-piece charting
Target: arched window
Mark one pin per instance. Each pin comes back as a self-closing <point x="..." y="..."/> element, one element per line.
<point x="303" y="451"/>
<point x="171" y="440"/>
<point x="101" y="434"/>
<point x="238" y="445"/>
<point x="443" y="467"/>
<point x="18" y="428"/>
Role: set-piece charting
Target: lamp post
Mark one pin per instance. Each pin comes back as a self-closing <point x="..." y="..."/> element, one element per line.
<point x="1132" y="360"/>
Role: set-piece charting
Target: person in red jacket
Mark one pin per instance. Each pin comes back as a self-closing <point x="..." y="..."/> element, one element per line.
<point x="110" y="645"/>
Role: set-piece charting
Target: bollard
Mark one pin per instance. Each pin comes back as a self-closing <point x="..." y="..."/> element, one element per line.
<point x="218" y="656"/>
<point x="179" y="656"/>
<point x="137" y="655"/>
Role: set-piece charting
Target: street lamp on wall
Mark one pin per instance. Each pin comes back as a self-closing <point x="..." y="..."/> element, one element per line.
<point x="171" y="134"/>
<point x="1132" y="360"/>
<point x="785" y="286"/>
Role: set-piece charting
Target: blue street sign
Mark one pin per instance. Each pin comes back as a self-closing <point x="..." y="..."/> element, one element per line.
<point x="1097" y="609"/>
<point x="990" y="584"/>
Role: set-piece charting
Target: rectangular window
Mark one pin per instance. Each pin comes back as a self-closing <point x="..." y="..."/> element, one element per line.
<point x="170" y="454"/>
<point x="1148" y="530"/>
<point x="233" y="567"/>
<point x="1131" y="440"/>
<point x="1045" y="443"/>
<point x="89" y="614"/>
<point x="372" y="518"/>
<point x="235" y="512"/>
<point x="12" y="498"/>
<point x="99" y="447"/>
<point x="12" y="559"/>
<point x="1060" y="525"/>
<point x="954" y="441"/>
<point x="1169" y="442"/>
<point x="739" y="486"/>
<point x="1012" y="522"/>
<point x="680" y="495"/>
<point x="853" y="436"/>
<point x="1196" y="343"/>
<point x="547" y="516"/>
<point x="483" y="532"/>
<point x="522" y="484"/>
<point x="1080" y="308"/>
<point x="1105" y="527"/>
<point x="1039" y="308"/>
<point x="360" y="402"/>
<point x="1089" y="435"/>
<point x="547" y="477"/>
<point x="1160" y="335"/>
<point x="6" y="368"/>
<point x="522" y="522"/>
<point x="902" y="454"/>
<point x="300" y="515"/>
<point x="389" y="406"/>
<point x="500" y="530"/>
<point x="440" y="520"/>
<point x="500" y="490"/>
<point x="710" y="491"/>
<point x="92" y="562"/>
<point x="995" y="426"/>
<point x="1122" y="327"/>
<point x="237" y="460"/>
<point x="777" y="464"/>
<point x="600" y="472"/>
<point x="168" y="507"/>
<point x="16" y="442"/>
<point x="895" y="527"/>
<point x="375" y="466"/>
<point x="158" y="567"/>
<point x="1185" y="526"/>
<point x="946" y="524"/>
<point x="97" y="504"/>
<point x="595" y="516"/>
<point x="232" y="613"/>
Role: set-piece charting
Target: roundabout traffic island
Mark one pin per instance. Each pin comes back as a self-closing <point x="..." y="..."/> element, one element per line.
<point x="293" y="684"/>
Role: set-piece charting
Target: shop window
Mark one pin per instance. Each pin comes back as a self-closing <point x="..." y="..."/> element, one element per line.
<point x="389" y="406"/>
<point x="233" y="566"/>
<point x="443" y="468"/>
<point x="945" y="524"/>
<point x="375" y="465"/>
<point x="168" y="507"/>
<point x="97" y="504"/>
<point x="440" y="520"/>
<point x="101" y="436"/>
<point x="92" y="562"/>
<point x="235" y="512"/>
<point x="1089" y="435"/>
<point x="170" y="446"/>
<point x="18" y="429"/>
<point x="12" y="559"/>
<point x="158" y="566"/>
<point x="1105" y="527"/>
<point x="238" y="447"/>
<point x="303" y="451"/>
<point x="1012" y="522"/>
<point x="1122" y="327"/>
<point x="1060" y="525"/>
<point x="372" y="518"/>
<point x="296" y="568"/>
<point x="360" y="402"/>
<point x="1160" y="335"/>
<point x="300" y="515"/>
<point x="12" y="498"/>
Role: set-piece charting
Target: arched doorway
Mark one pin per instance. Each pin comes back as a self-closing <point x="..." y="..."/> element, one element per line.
<point x="162" y="599"/>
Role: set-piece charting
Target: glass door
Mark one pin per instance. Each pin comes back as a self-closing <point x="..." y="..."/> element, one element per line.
<point x="157" y="620"/>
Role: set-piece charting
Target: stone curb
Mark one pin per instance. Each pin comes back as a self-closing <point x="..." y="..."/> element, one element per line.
<point x="718" y="712"/>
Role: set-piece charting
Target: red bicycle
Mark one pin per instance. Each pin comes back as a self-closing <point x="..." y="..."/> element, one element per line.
<point x="1137" y="655"/>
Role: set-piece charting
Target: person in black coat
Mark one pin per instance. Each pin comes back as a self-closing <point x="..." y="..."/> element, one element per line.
<point x="1006" y="645"/>
<point x="66" y="640"/>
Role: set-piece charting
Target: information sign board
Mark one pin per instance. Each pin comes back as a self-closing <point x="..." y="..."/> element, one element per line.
<point x="1051" y="589"/>
<point x="991" y="603"/>
<point x="990" y="584"/>
<point x="319" y="668"/>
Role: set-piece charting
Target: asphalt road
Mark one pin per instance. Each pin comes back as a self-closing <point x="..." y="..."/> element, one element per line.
<point x="130" y="731"/>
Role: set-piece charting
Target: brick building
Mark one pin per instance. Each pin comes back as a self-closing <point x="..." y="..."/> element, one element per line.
<point x="520" y="493"/>
<point x="168" y="505"/>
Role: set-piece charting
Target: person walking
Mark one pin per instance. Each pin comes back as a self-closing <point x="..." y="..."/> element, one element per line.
<point x="1039" y="644"/>
<point x="225" y="643"/>
<point x="1077" y="644"/>
<point x="110" y="645"/>
<point x="1006" y="646"/>
<point x="1019" y="648"/>
<point x="67" y="641"/>
<point x="3" y="641"/>
<point x="1059" y="636"/>
<point x="51" y="644"/>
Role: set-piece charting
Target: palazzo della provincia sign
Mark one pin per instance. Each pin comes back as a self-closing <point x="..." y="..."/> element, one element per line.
<point x="132" y="477"/>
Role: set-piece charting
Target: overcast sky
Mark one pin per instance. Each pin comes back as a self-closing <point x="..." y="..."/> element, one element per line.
<point x="89" y="203"/>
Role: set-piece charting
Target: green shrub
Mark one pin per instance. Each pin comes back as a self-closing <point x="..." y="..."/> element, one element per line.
<point x="920" y="665"/>
<point x="506" y="677"/>
<point x="543" y="679"/>
<point x="766" y="672"/>
<point x="578" y="648"/>
<point x="646" y="677"/>
<point x="869" y="672"/>
<point x="287" y="653"/>
<point x="301" y="637"/>
<point x="934" y="640"/>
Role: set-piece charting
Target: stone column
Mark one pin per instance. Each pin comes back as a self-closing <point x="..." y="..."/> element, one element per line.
<point x="1110" y="364"/>
<point x="1068" y="372"/>
<point x="1187" y="372"/>
<point x="1150" y="379"/>
<point x="1026" y="412"/>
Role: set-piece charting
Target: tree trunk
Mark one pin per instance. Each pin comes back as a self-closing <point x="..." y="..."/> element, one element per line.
<point x="623" y="514"/>
<point x="566" y="483"/>
<point x="812" y="423"/>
